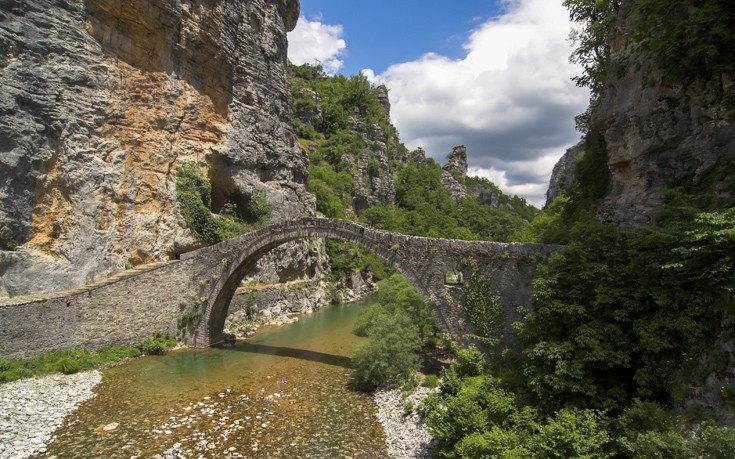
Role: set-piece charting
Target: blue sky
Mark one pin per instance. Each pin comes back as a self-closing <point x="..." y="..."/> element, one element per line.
<point x="491" y="75"/>
<point x="380" y="32"/>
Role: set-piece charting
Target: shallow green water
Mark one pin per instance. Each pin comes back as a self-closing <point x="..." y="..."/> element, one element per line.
<point x="281" y="394"/>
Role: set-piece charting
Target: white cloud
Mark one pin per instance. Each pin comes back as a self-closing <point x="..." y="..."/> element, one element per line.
<point x="313" y="41"/>
<point x="510" y="100"/>
<point x="529" y="179"/>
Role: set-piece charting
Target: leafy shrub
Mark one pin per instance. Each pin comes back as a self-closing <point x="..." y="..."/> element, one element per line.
<point x="470" y="362"/>
<point x="157" y="345"/>
<point x="390" y="355"/>
<point x="431" y="381"/>
<point x="573" y="433"/>
<point x="493" y="443"/>
<point x="716" y="443"/>
<point x="483" y="309"/>
<point x="241" y="213"/>
<point x="305" y="131"/>
<point x="397" y="296"/>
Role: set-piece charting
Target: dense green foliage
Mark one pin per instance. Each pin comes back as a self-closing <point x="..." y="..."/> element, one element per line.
<point x="74" y="360"/>
<point x="482" y="308"/>
<point x="346" y="258"/>
<point x="241" y="213"/>
<point x="619" y="312"/>
<point x="476" y="416"/>
<point x="690" y="38"/>
<point x="391" y="355"/>
<point x="424" y="207"/>
<point x="398" y="325"/>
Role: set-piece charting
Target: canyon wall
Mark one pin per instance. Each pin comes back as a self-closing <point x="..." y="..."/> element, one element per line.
<point x="102" y="101"/>
<point x="658" y="134"/>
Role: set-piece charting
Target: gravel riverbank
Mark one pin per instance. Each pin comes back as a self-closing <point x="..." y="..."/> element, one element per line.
<point x="406" y="435"/>
<point x="32" y="409"/>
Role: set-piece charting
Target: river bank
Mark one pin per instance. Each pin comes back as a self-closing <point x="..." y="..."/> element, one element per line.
<point x="32" y="409"/>
<point x="260" y="392"/>
<point x="406" y="435"/>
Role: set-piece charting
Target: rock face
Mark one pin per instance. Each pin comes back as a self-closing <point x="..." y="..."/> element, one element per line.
<point x="562" y="177"/>
<point x="456" y="167"/>
<point x="274" y="304"/>
<point x="101" y="102"/>
<point x="371" y="169"/>
<point x="657" y="134"/>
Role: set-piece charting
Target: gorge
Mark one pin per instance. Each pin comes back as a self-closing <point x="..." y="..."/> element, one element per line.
<point x="161" y="163"/>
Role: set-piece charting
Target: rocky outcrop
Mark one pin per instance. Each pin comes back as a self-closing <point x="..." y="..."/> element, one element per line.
<point x="371" y="169"/>
<point x="102" y="101"/>
<point x="418" y="156"/>
<point x="457" y="161"/>
<point x="359" y="285"/>
<point x="562" y="177"/>
<point x="454" y="170"/>
<point x="659" y="134"/>
<point x="274" y="304"/>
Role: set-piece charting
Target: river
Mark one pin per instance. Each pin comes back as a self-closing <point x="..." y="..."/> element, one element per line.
<point x="282" y="393"/>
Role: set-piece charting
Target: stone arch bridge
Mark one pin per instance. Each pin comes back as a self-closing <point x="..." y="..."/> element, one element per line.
<point x="140" y="302"/>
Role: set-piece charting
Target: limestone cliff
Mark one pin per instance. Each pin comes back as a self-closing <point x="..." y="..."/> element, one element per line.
<point x="101" y="102"/>
<point x="562" y="177"/>
<point x="371" y="167"/>
<point x="658" y="133"/>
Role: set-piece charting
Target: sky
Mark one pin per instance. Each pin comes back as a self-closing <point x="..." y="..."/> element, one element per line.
<point x="493" y="75"/>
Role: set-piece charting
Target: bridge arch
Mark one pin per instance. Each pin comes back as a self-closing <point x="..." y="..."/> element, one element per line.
<point x="249" y="248"/>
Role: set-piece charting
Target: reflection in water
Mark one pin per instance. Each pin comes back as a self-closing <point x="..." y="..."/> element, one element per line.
<point x="280" y="394"/>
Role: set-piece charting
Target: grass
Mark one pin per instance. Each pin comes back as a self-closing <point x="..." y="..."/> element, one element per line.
<point x="70" y="361"/>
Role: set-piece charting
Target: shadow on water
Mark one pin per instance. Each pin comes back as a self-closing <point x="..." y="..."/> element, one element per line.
<point x="302" y="354"/>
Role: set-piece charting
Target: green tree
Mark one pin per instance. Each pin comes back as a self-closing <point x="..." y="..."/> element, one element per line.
<point x="690" y="38"/>
<point x="592" y="51"/>
<point x="391" y="354"/>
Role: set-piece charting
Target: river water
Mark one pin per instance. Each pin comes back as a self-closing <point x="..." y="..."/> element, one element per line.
<point x="282" y="393"/>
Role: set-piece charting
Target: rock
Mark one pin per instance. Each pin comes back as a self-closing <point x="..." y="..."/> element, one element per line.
<point x="102" y="101"/>
<point x="658" y="134"/>
<point x="455" y="170"/>
<point x="418" y="156"/>
<point x="275" y="304"/>
<point x="406" y="435"/>
<point x="383" y="99"/>
<point x="457" y="161"/>
<point x="562" y="177"/>
<point x="25" y="433"/>
<point x="111" y="426"/>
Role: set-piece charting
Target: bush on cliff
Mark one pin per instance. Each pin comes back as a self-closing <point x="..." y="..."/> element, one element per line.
<point x="241" y="213"/>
